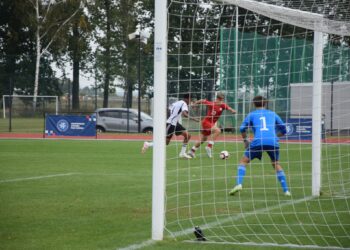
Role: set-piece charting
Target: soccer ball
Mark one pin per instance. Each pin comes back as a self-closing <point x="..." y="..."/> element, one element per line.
<point x="224" y="155"/>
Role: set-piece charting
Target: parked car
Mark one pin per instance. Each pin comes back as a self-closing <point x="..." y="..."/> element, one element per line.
<point x="116" y="120"/>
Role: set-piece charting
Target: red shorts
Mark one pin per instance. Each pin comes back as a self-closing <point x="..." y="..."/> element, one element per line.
<point x="206" y="128"/>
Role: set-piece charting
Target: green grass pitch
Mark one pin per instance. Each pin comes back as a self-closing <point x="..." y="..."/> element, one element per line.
<point x="68" y="194"/>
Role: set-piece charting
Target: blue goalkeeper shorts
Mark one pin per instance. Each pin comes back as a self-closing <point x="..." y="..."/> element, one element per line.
<point x="256" y="152"/>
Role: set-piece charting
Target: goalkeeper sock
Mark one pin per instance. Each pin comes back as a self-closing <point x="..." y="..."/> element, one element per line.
<point x="240" y="174"/>
<point x="282" y="179"/>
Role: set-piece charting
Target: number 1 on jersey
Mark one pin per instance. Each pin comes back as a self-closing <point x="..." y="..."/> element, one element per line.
<point x="263" y="127"/>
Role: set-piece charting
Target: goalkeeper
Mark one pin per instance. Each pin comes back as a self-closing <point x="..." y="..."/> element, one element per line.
<point x="267" y="126"/>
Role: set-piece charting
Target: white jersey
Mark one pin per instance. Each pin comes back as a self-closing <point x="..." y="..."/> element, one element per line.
<point x="176" y="110"/>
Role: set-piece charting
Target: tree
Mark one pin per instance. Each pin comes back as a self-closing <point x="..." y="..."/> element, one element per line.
<point x="50" y="18"/>
<point x="116" y="56"/>
<point x="76" y="41"/>
<point x="108" y="37"/>
<point x="108" y="45"/>
<point x="15" y="42"/>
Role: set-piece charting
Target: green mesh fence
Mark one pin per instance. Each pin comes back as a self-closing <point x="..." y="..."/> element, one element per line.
<point x="268" y="65"/>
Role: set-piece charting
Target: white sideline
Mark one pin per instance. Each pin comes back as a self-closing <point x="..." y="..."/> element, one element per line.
<point x="218" y="222"/>
<point x="35" y="177"/>
<point x="67" y="174"/>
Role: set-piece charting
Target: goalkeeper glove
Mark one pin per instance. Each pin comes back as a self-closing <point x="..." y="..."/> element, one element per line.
<point x="246" y="142"/>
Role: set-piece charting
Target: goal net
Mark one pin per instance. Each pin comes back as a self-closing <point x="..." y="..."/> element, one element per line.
<point x="21" y="106"/>
<point x="297" y="55"/>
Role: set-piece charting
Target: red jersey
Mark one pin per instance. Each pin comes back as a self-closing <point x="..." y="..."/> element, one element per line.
<point x="214" y="111"/>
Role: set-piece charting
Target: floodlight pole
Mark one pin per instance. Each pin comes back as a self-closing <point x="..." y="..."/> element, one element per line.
<point x="139" y="87"/>
<point x="139" y="38"/>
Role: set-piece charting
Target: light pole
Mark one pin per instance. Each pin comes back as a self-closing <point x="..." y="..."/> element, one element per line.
<point x="139" y="88"/>
<point x="141" y="37"/>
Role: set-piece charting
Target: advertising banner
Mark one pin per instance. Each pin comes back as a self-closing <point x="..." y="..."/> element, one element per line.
<point x="70" y="125"/>
<point x="299" y="129"/>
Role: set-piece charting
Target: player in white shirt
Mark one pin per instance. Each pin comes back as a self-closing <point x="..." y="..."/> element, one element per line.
<point x="177" y="109"/>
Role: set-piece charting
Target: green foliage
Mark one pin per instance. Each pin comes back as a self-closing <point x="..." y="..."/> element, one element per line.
<point x="116" y="57"/>
<point x="18" y="27"/>
<point x="104" y="25"/>
<point x="16" y="44"/>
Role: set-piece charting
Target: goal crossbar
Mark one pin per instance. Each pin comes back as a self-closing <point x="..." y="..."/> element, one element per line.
<point x="311" y="21"/>
<point x="28" y="96"/>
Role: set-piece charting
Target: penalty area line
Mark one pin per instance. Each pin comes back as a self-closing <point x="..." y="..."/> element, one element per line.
<point x="35" y="177"/>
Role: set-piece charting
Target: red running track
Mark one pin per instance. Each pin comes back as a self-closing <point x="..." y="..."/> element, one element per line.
<point x="140" y="137"/>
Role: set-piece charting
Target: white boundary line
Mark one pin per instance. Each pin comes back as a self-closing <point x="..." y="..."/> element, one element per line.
<point x="146" y="243"/>
<point x="35" y="177"/>
<point x="218" y="222"/>
<point x="241" y="216"/>
<point x="293" y="246"/>
<point x="67" y="174"/>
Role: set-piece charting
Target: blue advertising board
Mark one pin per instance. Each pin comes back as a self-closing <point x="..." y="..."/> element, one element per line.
<point x="299" y="129"/>
<point x="70" y="125"/>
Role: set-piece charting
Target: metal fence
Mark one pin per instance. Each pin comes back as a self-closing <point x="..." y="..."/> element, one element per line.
<point x="19" y="114"/>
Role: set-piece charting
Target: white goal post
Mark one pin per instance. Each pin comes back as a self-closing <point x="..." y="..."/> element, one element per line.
<point x="160" y="93"/>
<point x="4" y="97"/>
<point x="317" y="113"/>
<point x="249" y="48"/>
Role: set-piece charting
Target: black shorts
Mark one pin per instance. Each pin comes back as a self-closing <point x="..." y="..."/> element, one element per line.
<point x="171" y="129"/>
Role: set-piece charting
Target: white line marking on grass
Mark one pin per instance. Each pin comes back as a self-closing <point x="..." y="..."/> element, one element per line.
<point x="241" y="216"/>
<point x="68" y="174"/>
<point x="218" y="222"/>
<point x="35" y="177"/>
<point x="293" y="246"/>
<point x="116" y="174"/>
<point x="146" y="243"/>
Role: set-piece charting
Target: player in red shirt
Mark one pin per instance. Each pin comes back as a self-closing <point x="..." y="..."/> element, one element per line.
<point x="214" y="111"/>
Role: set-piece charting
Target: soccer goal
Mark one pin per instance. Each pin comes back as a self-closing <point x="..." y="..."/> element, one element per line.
<point x="22" y="105"/>
<point x="294" y="53"/>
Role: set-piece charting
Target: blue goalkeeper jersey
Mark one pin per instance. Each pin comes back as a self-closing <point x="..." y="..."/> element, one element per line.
<point x="265" y="124"/>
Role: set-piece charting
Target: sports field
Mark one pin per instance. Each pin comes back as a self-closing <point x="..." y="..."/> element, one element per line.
<point x="71" y="194"/>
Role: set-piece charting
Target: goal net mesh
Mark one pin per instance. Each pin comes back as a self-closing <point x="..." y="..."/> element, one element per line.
<point x="243" y="49"/>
